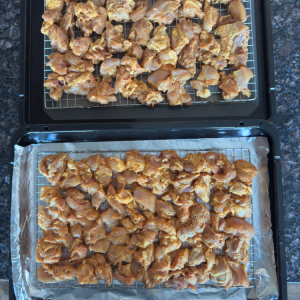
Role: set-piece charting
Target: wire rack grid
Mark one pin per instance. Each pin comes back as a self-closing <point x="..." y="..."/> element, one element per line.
<point x="232" y="155"/>
<point x="78" y="101"/>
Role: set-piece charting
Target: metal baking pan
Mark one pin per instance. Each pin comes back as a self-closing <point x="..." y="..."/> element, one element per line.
<point x="37" y="108"/>
<point x="37" y="134"/>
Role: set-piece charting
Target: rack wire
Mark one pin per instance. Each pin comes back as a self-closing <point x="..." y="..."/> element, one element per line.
<point x="232" y="154"/>
<point x="78" y="101"/>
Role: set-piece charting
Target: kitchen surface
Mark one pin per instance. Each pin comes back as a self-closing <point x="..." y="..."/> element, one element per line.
<point x="286" y="36"/>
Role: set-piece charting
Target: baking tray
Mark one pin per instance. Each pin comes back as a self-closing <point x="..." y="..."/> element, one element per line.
<point x="78" y="101"/>
<point x="35" y="134"/>
<point x="233" y="154"/>
<point x="34" y="109"/>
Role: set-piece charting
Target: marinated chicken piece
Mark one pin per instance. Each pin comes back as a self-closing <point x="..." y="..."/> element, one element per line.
<point x="200" y="217"/>
<point x="183" y="182"/>
<point x="104" y="271"/>
<point x="77" y="64"/>
<point x="159" y="270"/>
<point x="43" y="275"/>
<point x="97" y="23"/>
<point x="220" y="203"/>
<point x="119" y="236"/>
<point x="136" y="217"/>
<point x="179" y="258"/>
<point x="132" y="66"/>
<point x="59" y="39"/>
<point x="239" y="188"/>
<point x="124" y="275"/>
<point x="139" y="12"/>
<point x="239" y="59"/>
<point x="208" y="43"/>
<point x="67" y="22"/>
<point x="96" y="56"/>
<point x="78" y="204"/>
<point x="55" y="4"/>
<point x="144" y="257"/>
<point x="167" y="244"/>
<point x="177" y="95"/>
<point x="100" y="246"/>
<point x="218" y="62"/>
<point x="94" y="162"/>
<point x="98" y="3"/>
<point x="85" y="11"/>
<point x="186" y="231"/>
<point x="111" y="198"/>
<point x="57" y="63"/>
<point x="85" y="27"/>
<point x="190" y="9"/>
<point x="124" y="83"/>
<point x="227" y="34"/>
<point x="63" y="271"/>
<point x="142" y="239"/>
<point x="130" y="176"/>
<point x="213" y="237"/>
<point x="178" y="38"/>
<point x="135" y="51"/>
<point x="167" y="58"/>
<point x="76" y="231"/>
<point x="237" y="10"/>
<point x="226" y="172"/>
<point x="221" y="272"/>
<point x="182" y="206"/>
<point x="239" y="228"/>
<point x="49" y="192"/>
<point x="187" y="57"/>
<point x="51" y="16"/>
<point x="119" y="253"/>
<point x="47" y="253"/>
<point x="160" y="40"/>
<point x="242" y="78"/>
<point x="162" y="224"/>
<point x="81" y="85"/>
<point x="86" y="273"/>
<point x="78" y="252"/>
<point x="53" y="167"/>
<point x="211" y="16"/>
<point x="203" y="187"/>
<point x="163" y="12"/>
<point x="55" y="83"/>
<point x="86" y="217"/>
<point x="180" y="76"/>
<point x="140" y="32"/>
<point x="109" y="67"/>
<point x="111" y="218"/>
<point x="164" y="209"/>
<point x="161" y="184"/>
<point x="119" y="10"/>
<point x="181" y="279"/>
<point x="94" y="233"/>
<point x="119" y="182"/>
<point x="194" y="163"/>
<point x="240" y="206"/>
<point x="80" y="45"/>
<point x="144" y="198"/>
<point x="150" y="62"/>
<point x="237" y="250"/>
<point x="196" y="255"/>
<point x="239" y="274"/>
<point x="115" y="39"/>
<point x="134" y="161"/>
<point x="229" y="88"/>
<point x="203" y="271"/>
<point x="103" y="93"/>
<point x="58" y="233"/>
<point x="115" y="163"/>
<point x="160" y="80"/>
<point x="201" y="88"/>
<point x="129" y="225"/>
<point x="211" y="166"/>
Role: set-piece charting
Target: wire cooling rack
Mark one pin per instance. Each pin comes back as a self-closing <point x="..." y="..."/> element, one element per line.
<point x="232" y="155"/>
<point x="77" y="101"/>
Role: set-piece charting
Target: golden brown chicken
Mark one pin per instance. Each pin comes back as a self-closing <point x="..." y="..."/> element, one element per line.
<point x="160" y="40"/>
<point x="163" y="12"/>
<point x="118" y="10"/>
<point x="140" y="11"/>
<point x="140" y="32"/>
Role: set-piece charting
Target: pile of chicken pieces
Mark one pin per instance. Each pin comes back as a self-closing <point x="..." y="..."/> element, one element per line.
<point x="170" y="61"/>
<point x="154" y="230"/>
